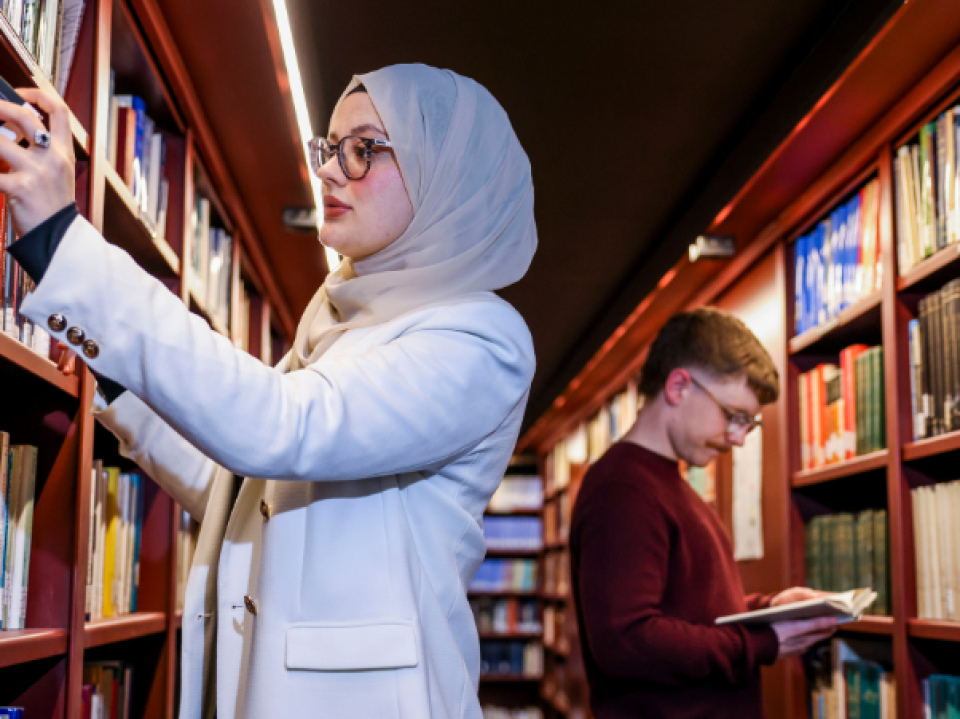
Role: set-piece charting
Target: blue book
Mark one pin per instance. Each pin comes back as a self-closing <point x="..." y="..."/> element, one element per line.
<point x="11" y="712"/>
<point x="137" y="527"/>
<point x="799" y="261"/>
<point x="6" y="534"/>
<point x="851" y="291"/>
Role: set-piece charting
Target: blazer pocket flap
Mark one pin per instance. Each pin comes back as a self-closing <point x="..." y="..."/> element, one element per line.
<point x="325" y="647"/>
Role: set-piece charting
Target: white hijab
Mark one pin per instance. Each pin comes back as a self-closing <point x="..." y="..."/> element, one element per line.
<point x="472" y="194"/>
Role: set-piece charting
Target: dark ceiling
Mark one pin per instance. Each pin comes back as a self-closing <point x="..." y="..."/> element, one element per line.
<point x="641" y="121"/>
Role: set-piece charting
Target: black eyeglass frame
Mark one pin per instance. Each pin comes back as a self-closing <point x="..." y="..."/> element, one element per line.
<point x="319" y="146"/>
<point x="737" y="420"/>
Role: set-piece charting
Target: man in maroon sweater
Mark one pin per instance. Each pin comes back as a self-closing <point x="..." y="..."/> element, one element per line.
<point x="652" y="565"/>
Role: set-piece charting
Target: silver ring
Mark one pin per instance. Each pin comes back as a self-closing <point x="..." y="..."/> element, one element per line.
<point x="41" y="138"/>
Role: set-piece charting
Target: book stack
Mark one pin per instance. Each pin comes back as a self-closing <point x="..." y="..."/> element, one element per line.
<point x="846" y="551"/>
<point x="556" y="520"/>
<point x="838" y="263"/>
<point x="513" y="533"/>
<point x="505" y="616"/>
<point x="505" y="575"/>
<point x="107" y="691"/>
<point x="941" y="696"/>
<point x="18" y="482"/>
<point x="186" y="548"/>
<point x="842" y="408"/>
<point x="113" y="558"/>
<point x="137" y="150"/>
<point x="517" y="493"/>
<point x="495" y="712"/>
<point x="555" y="629"/>
<point x="848" y="686"/>
<point x="937" y="550"/>
<point x="934" y="341"/>
<point x="555" y="573"/>
<point x="15" y="285"/>
<point x="515" y="658"/>
<point x="925" y="190"/>
<point x="211" y="262"/>
<point x="49" y="30"/>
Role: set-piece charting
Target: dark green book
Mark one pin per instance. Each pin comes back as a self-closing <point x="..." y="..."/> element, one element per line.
<point x="860" y="380"/>
<point x="870" y="690"/>
<point x="812" y="560"/>
<point x="880" y="406"/>
<point x="851" y="680"/>
<point x="845" y="553"/>
<point x="827" y="530"/>
<point x="881" y="563"/>
<point x="865" y="551"/>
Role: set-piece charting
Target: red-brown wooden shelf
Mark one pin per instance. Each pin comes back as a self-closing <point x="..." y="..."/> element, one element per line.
<point x="502" y="593"/>
<point x="931" y="446"/>
<point x="26" y="359"/>
<point x="509" y="678"/>
<point x="124" y="227"/>
<point x="870" y="625"/>
<point x="838" y="470"/>
<point x="555" y="597"/>
<point x="494" y="553"/>
<point x="934" y="629"/>
<point x="120" y="629"/>
<point x="513" y="512"/>
<point x="557" y="544"/>
<point x="928" y="271"/>
<point x="863" y="314"/>
<point x="27" y="645"/>
<point x="560" y="651"/>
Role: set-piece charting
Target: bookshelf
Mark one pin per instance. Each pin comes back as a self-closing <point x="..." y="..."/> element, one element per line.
<point x="906" y="77"/>
<point x="41" y="666"/>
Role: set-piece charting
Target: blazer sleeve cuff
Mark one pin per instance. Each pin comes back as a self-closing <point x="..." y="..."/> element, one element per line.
<point x="34" y="251"/>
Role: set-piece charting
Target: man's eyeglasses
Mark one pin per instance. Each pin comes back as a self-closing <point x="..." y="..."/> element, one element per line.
<point x="737" y="420"/>
<point x="354" y="154"/>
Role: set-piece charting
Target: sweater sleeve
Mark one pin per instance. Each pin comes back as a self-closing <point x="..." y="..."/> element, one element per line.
<point x="622" y="578"/>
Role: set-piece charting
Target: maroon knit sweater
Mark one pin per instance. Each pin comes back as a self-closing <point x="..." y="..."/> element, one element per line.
<point x="652" y="569"/>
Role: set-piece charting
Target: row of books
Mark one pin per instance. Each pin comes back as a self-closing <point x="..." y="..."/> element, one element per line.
<point x="513" y="532"/>
<point x="838" y="263"/>
<point x="847" y="685"/>
<point x="556" y="519"/>
<point x="107" y="691"/>
<point x="49" y="30"/>
<point x="496" y="712"/>
<point x="18" y="483"/>
<point x="941" y="696"/>
<point x="556" y="570"/>
<point x="113" y="557"/>
<point x="505" y="575"/>
<point x="137" y="149"/>
<point x="211" y="262"/>
<point x="15" y="285"/>
<point x="934" y="342"/>
<point x="517" y="493"/>
<point x="187" y="532"/>
<point x="515" y="658"/>
<point x="925" y="190"/>
<point x="842" y="408"/>
<point x="555" y="628"/>
<point x="846" y="551"/>
<point x="937" y="550"/>
<point x="505" y="615"/>
<point x="612" y="421"/>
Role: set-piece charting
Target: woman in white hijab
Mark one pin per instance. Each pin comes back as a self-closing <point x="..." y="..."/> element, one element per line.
<point x="336" y="585"/>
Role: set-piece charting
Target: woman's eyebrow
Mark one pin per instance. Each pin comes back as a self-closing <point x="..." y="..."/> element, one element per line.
<point x="359" y="130"/>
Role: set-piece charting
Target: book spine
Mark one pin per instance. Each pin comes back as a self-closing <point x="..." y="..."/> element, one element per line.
<point x="4" y="483"/>
<point x="881" y="556"/>
<point x="30" y="479"/>
<point x="865" y="551"/>
<point x="881" y="404"/>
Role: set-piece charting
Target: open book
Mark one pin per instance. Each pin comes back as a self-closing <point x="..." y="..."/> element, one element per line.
<point x="845" y="606"/>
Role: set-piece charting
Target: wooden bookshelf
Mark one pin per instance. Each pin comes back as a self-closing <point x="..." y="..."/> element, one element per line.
<point x="906" y="76"/>
<point x="44" y="408"/>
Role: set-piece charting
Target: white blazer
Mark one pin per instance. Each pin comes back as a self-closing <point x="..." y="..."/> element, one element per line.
<point x="374" y="466"/>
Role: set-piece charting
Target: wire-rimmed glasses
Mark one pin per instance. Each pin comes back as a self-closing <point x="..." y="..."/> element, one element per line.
<point x="737" y="420"/>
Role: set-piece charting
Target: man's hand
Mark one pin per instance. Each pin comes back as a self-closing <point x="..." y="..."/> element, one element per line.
<point x="796" y="594"/>
<point x="798" y="636"/>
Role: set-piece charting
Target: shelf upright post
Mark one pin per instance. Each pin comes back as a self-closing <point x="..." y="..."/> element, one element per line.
<point x="900" y="530"/>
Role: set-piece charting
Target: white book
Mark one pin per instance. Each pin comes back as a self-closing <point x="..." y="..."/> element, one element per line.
<point x="71" y="19"/>
<point x="101" y="544"/>
<point x="17" y="610"/>
<point x="204" y="238"/>
<point x="153" y="176"/>
<point x="91" y="543"/>
<point x="50" y="24"/>
<point x="4" y="461"/>
<point x="14" y="485"/>
<point x="845" y="606"/>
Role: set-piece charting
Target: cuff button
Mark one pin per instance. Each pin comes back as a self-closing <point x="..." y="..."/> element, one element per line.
<point x="91" y="349"/>
<point x="57" y="322"/>
<point x="75" y="336"/>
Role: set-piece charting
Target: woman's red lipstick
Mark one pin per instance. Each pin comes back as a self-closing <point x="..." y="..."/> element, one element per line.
<point x="332" y="207"/>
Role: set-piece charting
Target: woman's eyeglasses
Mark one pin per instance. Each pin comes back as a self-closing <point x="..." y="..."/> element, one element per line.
<point x="737" y="420"/>
<point x="353" y="153"/>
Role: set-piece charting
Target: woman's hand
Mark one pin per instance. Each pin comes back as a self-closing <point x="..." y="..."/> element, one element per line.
<point x="796" y="594"/>
<point x="38" y="181"/>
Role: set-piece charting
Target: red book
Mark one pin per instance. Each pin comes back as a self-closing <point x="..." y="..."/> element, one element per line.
<point x="86" y="701"/>
<point x="848" y="359"/>
<point x="126" y="143"/>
